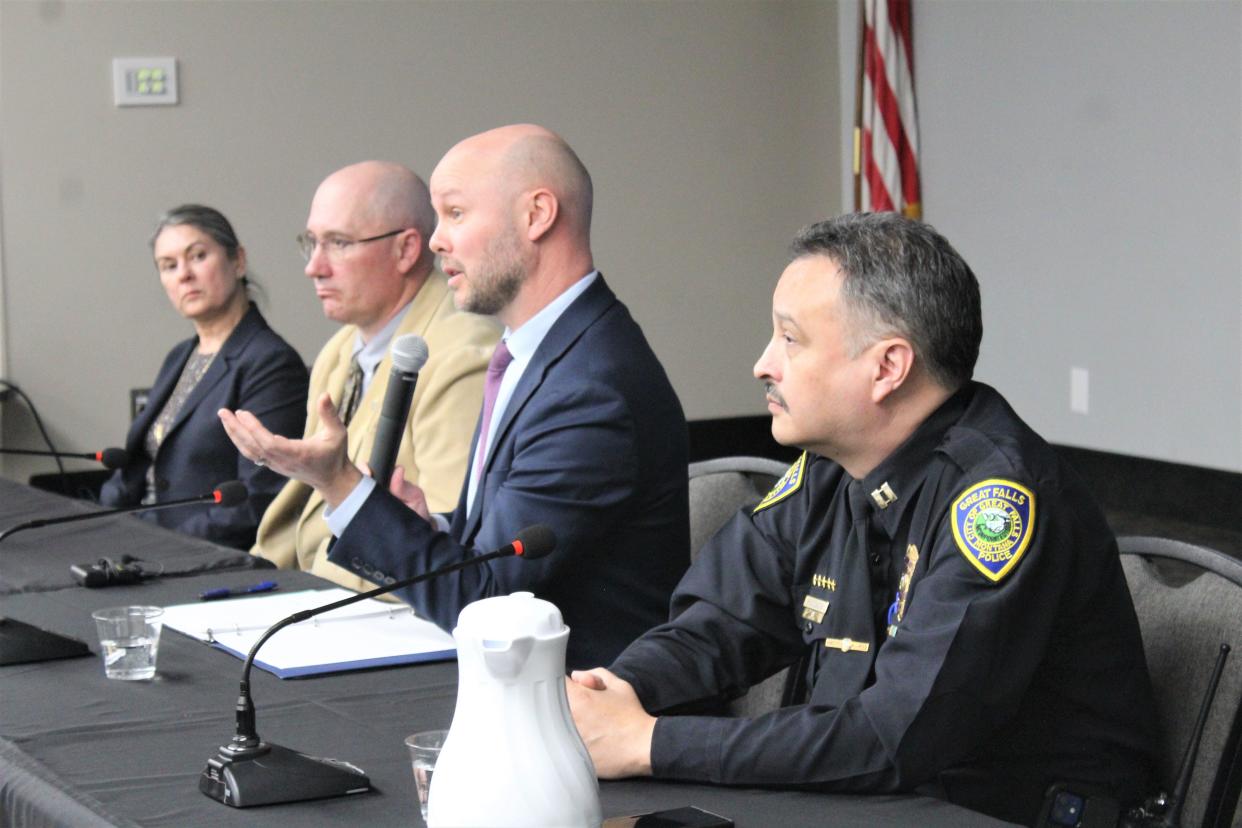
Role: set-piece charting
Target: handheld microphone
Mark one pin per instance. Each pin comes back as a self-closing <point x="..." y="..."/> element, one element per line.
<point x="111" y="458"/>
<point x="409" y="354"/>
<point x="248" y="771"/>
<point x="226" y="494"/>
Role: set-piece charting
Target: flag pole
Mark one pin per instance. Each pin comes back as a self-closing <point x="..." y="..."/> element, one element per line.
<point x="858" y="104"/>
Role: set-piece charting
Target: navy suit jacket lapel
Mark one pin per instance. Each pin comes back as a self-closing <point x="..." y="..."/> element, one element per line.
<point x="249" y="325"/>
<point x="579" y="316"/>
<point x="157" y="396"/>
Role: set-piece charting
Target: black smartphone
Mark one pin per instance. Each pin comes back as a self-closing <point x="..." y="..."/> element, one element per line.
<point x="1077" y="807"/>
<point x="689" y="817"/>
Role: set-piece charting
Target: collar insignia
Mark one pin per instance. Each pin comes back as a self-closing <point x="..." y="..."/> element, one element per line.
<point x="884" y="496"/>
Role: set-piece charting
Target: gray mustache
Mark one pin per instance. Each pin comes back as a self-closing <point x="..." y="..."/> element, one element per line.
<point x="769" y="389"/>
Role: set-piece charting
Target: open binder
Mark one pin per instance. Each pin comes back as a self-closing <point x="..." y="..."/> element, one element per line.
<point x="367" y="634"/>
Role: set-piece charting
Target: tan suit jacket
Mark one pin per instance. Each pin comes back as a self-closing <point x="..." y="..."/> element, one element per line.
<point x="435" y="447"/>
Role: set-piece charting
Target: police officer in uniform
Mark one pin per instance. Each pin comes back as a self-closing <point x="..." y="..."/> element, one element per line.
<point x="944" y="589"/>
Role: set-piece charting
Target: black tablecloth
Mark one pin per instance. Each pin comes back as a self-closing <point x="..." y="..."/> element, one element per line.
<point x="37" y="560"/>
<point x="77" y="749"/>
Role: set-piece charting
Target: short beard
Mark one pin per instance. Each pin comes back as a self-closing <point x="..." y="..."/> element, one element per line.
<point x="497" y="283"/>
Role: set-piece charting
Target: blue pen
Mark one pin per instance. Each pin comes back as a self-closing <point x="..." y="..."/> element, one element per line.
<point x="225" y="592"/>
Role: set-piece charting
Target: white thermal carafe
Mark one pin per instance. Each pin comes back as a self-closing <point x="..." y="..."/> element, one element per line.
<point x="513" y="758"/>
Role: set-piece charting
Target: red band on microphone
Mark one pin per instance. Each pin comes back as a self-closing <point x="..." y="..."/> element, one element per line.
<point x="518" y="549"/>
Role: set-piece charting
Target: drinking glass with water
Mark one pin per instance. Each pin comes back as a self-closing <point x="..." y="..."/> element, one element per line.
<point x="129" y="640"/>
<point x="424" y="750"/>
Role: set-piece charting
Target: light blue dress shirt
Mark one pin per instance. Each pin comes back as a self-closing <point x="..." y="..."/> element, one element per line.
<point x="371" y="354"/>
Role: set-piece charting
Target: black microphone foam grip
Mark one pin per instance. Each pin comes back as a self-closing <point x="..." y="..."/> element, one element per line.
<point x="112" y="458"/>
<point x="534" y="542"/>
<point x="230" y="493"/>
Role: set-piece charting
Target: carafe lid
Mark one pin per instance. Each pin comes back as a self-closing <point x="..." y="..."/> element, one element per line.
<point x="509" y="617"/>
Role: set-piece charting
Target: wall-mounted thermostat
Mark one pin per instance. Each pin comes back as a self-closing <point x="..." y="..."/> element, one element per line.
<point x="144" y="81"/>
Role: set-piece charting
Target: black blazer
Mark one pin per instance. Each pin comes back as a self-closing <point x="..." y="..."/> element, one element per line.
<point x="255" y="370"/>
<point x="593" y="443"/>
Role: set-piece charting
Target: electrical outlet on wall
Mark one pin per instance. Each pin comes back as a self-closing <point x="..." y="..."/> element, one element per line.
<point x="137" y="401"/>
<point x="1079" y="379"/>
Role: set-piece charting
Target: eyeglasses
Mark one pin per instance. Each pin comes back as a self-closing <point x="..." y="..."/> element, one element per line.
<point x="336" y="247"/>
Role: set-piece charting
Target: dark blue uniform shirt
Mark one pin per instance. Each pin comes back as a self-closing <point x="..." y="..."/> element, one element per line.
<point x="958" y="623"/>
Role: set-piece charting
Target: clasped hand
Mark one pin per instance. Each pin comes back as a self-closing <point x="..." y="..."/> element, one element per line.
<point x="612" y="722"/>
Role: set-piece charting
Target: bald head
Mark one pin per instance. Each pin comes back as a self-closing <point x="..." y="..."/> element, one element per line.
<point x="514" y="230"/>
<point x="382" y="212"/>
<point x="380" y="193"/>
<point x="523" y="157"/>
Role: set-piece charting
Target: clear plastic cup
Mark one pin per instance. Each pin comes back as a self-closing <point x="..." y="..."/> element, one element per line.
<point x="129" y="640"/>
<point x="424" y="751"/>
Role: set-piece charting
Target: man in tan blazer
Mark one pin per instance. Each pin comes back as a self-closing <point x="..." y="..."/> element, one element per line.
<point x="366" y="249"/>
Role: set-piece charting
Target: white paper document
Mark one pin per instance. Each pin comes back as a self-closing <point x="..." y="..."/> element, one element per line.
<point x="370" y="633"/>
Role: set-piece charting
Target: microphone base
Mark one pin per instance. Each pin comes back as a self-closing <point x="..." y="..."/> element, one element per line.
<point x="277" y="774"/>
<point x="22" y="643"/>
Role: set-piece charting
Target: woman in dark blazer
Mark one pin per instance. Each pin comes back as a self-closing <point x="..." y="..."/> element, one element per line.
<point x="177" y="447"/>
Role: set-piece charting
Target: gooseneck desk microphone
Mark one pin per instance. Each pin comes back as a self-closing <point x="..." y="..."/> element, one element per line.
<point x="21" y="643"/>
<point x="226" y="494"/>
<point x="111" y="458"/>
<point x="248" y="771"/>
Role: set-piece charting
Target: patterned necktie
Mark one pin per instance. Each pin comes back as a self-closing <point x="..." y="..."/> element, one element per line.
<point x="352" y="394"/>
<point x="491" y="387"/>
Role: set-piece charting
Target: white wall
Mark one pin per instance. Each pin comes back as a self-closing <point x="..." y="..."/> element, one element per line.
<point x="1086" y="159"/>
<point x="709" y="129"/>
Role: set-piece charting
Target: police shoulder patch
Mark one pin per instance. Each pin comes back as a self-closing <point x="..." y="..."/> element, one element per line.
<point x="992" y="523"/>
<point x="789" y="483"/>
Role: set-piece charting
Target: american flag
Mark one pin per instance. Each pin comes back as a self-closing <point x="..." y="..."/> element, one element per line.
<point x="886" y="136"/>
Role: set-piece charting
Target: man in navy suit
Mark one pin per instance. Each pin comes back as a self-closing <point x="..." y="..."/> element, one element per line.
<point x="584" y="432"/>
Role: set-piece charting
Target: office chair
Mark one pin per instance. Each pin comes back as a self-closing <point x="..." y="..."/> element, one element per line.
<point x="1189" y="601"/>
<point x="718" y="489"/>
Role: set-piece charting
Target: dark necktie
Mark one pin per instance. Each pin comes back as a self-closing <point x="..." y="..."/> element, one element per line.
<point x="850" y="675"/>
<point x="491" y="387"/>
<point x="352" y="394"/>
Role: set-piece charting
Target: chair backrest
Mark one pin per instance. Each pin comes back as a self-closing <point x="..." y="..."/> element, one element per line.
<point x="718" y="489"/>
<point x="1189" y="601"/>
